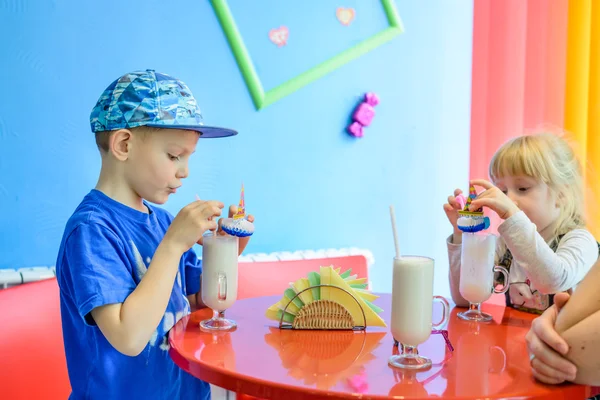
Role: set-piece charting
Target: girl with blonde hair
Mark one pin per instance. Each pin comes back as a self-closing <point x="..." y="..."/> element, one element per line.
<point x="537" y="190"/>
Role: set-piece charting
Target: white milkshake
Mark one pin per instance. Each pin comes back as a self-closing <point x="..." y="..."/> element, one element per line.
<point x="477" y="267"/>
<point x="412" y="299"/>
<point x="219" y="271"/>
<point x="412" y="307"/>
<point x="477" y="274"/>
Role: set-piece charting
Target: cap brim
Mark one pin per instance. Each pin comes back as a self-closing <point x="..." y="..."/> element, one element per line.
<point x="205" y="131"/>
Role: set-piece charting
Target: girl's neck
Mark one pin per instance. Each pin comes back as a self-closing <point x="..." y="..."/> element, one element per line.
<point x="549" y="233"/>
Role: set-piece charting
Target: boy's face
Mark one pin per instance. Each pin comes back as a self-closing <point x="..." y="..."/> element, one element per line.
<point x="158" y="161"/>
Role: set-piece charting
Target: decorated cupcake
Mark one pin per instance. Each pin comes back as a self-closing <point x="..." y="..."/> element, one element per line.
<point x="238" y="225"/>
<point x="472" y="221"/>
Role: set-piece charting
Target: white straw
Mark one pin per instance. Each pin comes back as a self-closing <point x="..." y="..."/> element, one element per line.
<point x="198" y="199"/>
<point x="394" y="231"/>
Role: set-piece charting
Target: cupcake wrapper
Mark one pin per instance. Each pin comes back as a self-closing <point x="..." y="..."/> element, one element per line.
<point x="239" y="228"/>
<point x="233" y="231"/>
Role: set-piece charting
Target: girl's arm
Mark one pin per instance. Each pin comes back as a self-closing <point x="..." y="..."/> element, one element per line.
<point x="454" y="251"/>
<point x="549" y="271"/>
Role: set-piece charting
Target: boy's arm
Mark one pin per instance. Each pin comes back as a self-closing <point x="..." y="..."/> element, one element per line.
<point x="128" y="326"/>
<point x="195" y="299"/>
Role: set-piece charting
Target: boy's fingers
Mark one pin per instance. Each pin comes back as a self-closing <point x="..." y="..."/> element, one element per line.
<point x="250" y="218"/>
<point x="220" y="230"/>
<point x="216" y="203"/>
<point x="457" y="192"/>
<point x="232" y="210"/>
<point x="203" y="203"/>
<point x="210" y="211"/>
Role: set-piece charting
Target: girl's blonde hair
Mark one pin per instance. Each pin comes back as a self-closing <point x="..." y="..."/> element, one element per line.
<point x="548" y="158"/>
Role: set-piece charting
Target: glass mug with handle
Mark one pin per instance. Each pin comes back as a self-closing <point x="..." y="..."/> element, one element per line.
<point x="219" y="279"/>
<point x="477" y="274"/>
<point x="412" y="309"/>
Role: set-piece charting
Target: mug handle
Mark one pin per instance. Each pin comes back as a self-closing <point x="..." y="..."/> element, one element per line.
<point x="446" y="312"/>
<point x="498" y="348"/>
<point x="504" y="272"/>
<point x="222" y="287"/>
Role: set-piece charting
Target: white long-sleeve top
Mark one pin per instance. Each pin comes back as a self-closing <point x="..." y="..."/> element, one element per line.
<point x="536" y="270"/>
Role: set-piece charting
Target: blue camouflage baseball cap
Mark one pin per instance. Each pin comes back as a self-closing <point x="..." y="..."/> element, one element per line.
<point x="149" y="98"/>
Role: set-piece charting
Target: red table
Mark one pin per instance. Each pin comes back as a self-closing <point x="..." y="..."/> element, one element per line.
<point x="489" y="361"/>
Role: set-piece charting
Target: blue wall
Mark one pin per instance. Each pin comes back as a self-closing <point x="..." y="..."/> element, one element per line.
<point x="309" y="184"/>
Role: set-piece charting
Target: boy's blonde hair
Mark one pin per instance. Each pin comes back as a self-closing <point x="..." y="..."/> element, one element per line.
<point x="550" y="159"/>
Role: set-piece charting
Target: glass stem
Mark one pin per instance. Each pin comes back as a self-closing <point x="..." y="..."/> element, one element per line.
<point x="475" y="307"/>
<point x="409" y="351"/>
<point x="218" y="314"/>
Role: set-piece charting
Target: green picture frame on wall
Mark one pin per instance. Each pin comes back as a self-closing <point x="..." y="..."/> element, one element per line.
<point x="262" y="99"/>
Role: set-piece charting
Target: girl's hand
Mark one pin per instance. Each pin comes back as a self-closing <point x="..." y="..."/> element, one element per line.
<point x="494" y="199"/>
<point x="452" y="207"/>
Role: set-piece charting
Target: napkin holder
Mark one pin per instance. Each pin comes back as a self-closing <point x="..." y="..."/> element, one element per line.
<point x="323" y="314"/>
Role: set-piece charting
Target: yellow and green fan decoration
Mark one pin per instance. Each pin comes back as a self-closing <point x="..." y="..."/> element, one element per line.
<point x="328" y="299"/>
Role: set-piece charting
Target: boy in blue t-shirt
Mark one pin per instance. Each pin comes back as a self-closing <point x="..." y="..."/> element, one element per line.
<point x="126" y="269"/>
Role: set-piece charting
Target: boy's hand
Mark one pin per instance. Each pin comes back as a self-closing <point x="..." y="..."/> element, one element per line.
<point x="243" y="241"/>
<point x="191" y="222"/>
<point x="547" y="349"/>
<point x="494" y="199"/>
<point x="451" y="208"/>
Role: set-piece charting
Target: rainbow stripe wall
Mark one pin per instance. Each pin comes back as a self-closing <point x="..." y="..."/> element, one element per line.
<point x="537" y="62"/>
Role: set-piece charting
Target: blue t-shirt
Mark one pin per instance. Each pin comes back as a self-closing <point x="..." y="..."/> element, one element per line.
<point x="105" y="251"/>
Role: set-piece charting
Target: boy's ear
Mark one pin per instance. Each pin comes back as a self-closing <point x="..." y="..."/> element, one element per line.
<point x="120" y="144"/>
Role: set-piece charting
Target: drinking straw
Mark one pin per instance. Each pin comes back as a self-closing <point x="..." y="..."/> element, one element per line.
<point x="394" y="231"/>
<point x="215" y="231"/>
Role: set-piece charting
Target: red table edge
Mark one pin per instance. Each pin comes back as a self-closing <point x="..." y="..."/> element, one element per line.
<point x="276" y="390"/>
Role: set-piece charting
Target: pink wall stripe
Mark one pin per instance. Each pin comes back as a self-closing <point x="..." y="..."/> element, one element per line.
<point x="519" y="64"/>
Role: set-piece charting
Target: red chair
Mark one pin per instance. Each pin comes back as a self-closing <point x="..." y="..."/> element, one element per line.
<point x="31" y="344"/>
<point x="270" y="278"/>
